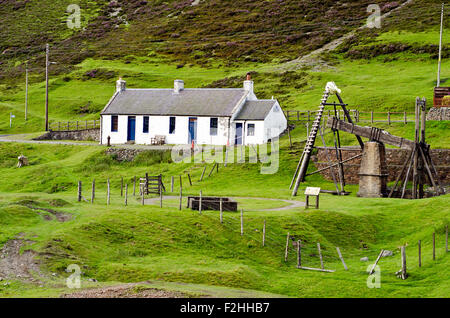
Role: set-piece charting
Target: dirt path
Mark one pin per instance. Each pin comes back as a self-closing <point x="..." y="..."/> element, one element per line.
<point x="313" y="59"/>
<point x="132" y="290"/>
<point x="15" y="265"/>
<point x="292" y="203"/>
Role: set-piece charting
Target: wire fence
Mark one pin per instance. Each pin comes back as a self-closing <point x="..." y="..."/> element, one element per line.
<point x="74" y="125"/>
<point x="356" y="116"/>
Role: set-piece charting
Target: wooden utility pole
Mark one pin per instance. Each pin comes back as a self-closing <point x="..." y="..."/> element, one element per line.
<point x="440" y="48"/>
<point x="26" y="91"/>
<point x="46" y="85"/>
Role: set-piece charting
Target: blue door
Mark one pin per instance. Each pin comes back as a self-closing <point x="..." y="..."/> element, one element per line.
<point x="192" y="129"/>
<point x="238" y="137"/>
<point x="131" y="135"/>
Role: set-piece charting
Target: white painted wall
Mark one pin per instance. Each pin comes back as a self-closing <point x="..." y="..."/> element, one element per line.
<point x="275" y="119"/>
<point x="159" y="125"/>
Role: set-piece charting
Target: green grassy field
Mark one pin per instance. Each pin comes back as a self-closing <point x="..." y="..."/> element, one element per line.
<point x="117" y="244"/>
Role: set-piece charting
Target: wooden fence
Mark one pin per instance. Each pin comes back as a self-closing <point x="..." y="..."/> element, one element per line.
<point x="356" y="115"/>
<point x="74" y="125"/>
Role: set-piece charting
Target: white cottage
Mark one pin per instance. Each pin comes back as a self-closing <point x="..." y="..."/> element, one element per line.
<point x="215" y="116"/>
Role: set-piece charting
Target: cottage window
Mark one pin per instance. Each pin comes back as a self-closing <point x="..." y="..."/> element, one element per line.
<point x="145" y="127"/>
<point x="250" y="129"/>
<point x="172" y="125"/>
<point x="114" y="123"/>
<point x="213" y="126"/>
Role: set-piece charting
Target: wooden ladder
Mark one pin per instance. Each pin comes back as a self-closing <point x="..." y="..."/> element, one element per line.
<point x="302" y="165"/>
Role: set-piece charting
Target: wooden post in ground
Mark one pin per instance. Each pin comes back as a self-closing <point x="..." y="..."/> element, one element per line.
<point x="93" y="191"/>
<point x="403" y="274"/>
<point x="299" y="254"/>
<point x="286" y="250"/>
<point x="420" y="253"/>
<point x="189" y="178"/>
<point x="242" y="222"/>
<point x="434" y="246"/>
<point x="221" y="210"/>
<point x="108" y="192"/>
<point x="404" y="118"/>
<point x="264" y="234"/>
<point x="376" y="262"/>
<point x="171" y="183"/>
<point x="200" y="203"/>
<point x="203" y="173"/>
<point x="389" y="117"/>
<point x="134" y="186"/>
<point x="160" y="197"/>
<point x="79" y="191"/>
<point x="126" y="194"/>
<point x="371" y="117"/>
<point x="342" y="259"/>
<point x="121" y="187"/>
<point x="214" y="165"/>
<point x="320" y="255"/>
<point x="289" y="135"/>
<point x="181" y="193"/>
<point x="146" y="184"/>
<point x="446" y="238"/>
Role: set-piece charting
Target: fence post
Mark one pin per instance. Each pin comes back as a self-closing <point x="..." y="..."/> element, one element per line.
<point x="86" y="125"/>
<point x="171" y="183"/>
<point x="126" y="194"/>
<point x="389" y="117"/>
<point x="299" y="254"/>
<point x="77" y="124"/>
<point x="121" y="187"/>
<point x="308" y="116"/>
<point x="446" y="238"/>
<point x="93" y="191"/>
<point x="342" y="258"/>
<point x="79" y="191"/>
<point x="160" y="197"/>
<point x="221" y="210"/>
<point x="434" y="246"/>
<point x="403" y="273"/>
<point x="404" y="118"/>
<point x="242" y="222"/>
<point x="68" y="125"/>
<point x="298" y="115"/>
<point x="189" y="178"/>
<point x="264" y="234"/>
<point x="181" y="193"/>
<point x="59" y="126"/>
<point x="108" y="193"/>
<point x="200" y="203"/>
<point x="286" y="250"/>
<point x="134" y="186"/>
<point x="371" y="117"/>
<point x="420" y="253"/>
<point x="320" y="255"/>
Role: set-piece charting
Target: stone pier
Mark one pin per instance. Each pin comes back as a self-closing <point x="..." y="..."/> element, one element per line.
<point x="373" y="171"/>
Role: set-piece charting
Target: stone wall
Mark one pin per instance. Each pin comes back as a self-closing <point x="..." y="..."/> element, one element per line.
<point x="395" y="159"/>
<point x="123" y="154"/>
<point x="86" y="135"/>
<point x="439" y="113"/>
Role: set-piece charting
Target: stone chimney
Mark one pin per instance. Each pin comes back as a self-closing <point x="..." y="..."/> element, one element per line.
<point x="248" y="86"/>
<point x="178" y="86"/>
<point x="121" y="85"/>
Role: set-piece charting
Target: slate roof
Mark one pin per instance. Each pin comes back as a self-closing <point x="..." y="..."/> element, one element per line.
<point x="188" y="102"/>
<point x="255" y="109"/>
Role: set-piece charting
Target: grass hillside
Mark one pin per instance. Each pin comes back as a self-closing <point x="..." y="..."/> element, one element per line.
<point x="212" y="44"/>
<point x="116" y="245"/>
<point x="151" y="43"/>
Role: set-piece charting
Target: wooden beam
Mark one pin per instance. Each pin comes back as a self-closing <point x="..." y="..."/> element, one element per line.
<point x="376" y="262"/>
<point x="367" y="132"/>
<point x="317" y="269"/>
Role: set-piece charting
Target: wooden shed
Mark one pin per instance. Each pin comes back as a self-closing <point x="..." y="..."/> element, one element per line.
<point x="439" y="94"/>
